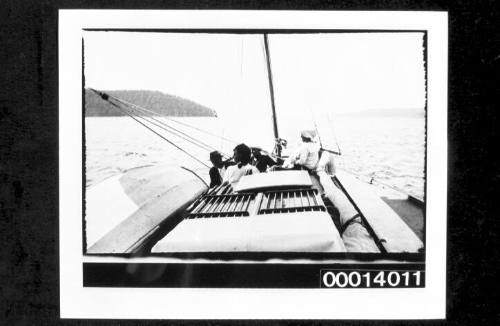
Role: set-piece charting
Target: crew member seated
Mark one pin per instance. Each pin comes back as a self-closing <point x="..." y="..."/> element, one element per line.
<point x="242" y="157"/>
<point x="262" y="161"/>
<point x="218" y="169"/>
<point x="307" y="155"/>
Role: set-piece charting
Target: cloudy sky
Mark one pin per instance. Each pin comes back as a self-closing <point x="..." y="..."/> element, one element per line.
<point x="321" y="72"/>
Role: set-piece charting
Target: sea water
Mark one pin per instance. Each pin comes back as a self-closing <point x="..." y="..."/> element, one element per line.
<point x="388" y="149"/>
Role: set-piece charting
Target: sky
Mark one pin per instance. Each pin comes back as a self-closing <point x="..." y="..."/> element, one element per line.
<point x="327" y="72"/>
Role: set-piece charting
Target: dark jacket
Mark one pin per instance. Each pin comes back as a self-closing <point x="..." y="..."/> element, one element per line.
<point x="263" y="162"/>
<point x="215" y="177"/>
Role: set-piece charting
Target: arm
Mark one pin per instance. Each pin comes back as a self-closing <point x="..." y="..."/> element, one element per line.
<point x="229" y="174"/>
<point x="252" y="170"/>
<point x="226" y="175"/>
<point x="302" y="157"/>
<point x="270" y="161"/>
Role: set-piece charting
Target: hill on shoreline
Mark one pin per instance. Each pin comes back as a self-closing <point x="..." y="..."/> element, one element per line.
<point x="158" y="102"/>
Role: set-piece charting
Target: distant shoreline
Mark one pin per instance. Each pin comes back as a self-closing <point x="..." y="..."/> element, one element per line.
<point x="159" y="103"/>
<point x="389" y="113"/>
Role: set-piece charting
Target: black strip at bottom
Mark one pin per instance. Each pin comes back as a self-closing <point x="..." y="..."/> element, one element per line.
<point x="220" y="275"/>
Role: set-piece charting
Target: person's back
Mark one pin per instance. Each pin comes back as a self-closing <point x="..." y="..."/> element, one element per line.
<point x="262" y="161"/>
<point x="215" y="171"/>
<point x="308" y="155"/>
<point x="215" y="177"/>
<point x="235" y="172"/>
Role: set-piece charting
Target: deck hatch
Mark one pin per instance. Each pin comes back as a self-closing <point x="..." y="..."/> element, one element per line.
<point x="222" y="206"/>
<point x="289" y="201"/>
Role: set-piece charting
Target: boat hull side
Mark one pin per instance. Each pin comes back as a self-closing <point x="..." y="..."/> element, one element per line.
<point x="169" y="192"/>
<point x="392" y="232"/>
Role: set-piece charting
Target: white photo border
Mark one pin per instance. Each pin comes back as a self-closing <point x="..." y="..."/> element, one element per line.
<point x="187" y="303"/>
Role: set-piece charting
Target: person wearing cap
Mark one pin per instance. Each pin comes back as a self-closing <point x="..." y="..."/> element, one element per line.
<point x="242" y="157"/>
<point x="307" y="155"/>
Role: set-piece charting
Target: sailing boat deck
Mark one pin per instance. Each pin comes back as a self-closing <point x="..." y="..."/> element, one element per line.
<point x="263" y="213"/>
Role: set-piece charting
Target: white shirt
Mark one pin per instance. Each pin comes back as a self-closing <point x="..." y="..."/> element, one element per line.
<point x="233" y="173"/>
<point x="308" y="155"/>
<point x="222" y="171"/>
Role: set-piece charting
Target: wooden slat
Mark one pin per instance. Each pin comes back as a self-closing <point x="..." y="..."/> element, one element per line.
<point x="279" y="200"/>
<point x="265" y="201"/>
<point x="306" y="198"/>
<point x="235" y="202"/>
<point x="394" y="233"/>
<point x="223" y="202"/>
<point x="247" y="204"/>
<point x="240" y="202"/>
<point x="312" y="196"/>
<point x="296" y="201"/>
<point x="228" y="205"/>
<point x="272" y="202"/>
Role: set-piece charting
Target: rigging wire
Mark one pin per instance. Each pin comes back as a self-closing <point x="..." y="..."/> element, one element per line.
<point x="358" y="175"/>
<point x="376" y="180"/>
<point x="187" y="137"/>
<point x="167" y="140"/>
<point x="164" y="125"/>
<point x="319" y="137"/>
<point x="334" y="134"/>
<point x="106" y="97"/>
<point x="315" y="126"/>
<point x="173" y="120"/>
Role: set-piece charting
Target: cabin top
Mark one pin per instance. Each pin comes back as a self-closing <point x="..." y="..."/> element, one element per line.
<point x="276" y="179"/>
<point x="280" y="211"/>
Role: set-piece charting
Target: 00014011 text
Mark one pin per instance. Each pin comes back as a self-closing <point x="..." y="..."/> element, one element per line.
<point x="371" y="279"/>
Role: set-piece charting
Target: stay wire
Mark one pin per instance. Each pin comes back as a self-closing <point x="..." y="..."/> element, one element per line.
<point x="164" y="127"/>
<point x="316" y="126"/>
<point x="373" y="180"/>
<point x="144" y="110"/>
<point x="334" y="134"/>
<point x="159" y="135"/>
<point x="186" y="137"/>
<point x="173" y="120"/>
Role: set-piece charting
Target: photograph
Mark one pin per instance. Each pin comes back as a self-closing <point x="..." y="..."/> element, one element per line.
<point x="251" y="155"/>
<point x="215" y="142"/>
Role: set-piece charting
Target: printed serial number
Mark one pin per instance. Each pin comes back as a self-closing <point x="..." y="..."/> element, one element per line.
<point x="371" y="279"/>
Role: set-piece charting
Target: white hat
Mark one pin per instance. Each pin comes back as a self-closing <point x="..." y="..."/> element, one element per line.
<point x="308" y="134"/>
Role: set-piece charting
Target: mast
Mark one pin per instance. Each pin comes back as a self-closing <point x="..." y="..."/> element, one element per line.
<point x="271" y="91"/>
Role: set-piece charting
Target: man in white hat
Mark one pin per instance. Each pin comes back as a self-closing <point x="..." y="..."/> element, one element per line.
<point x="307" y="156"/>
